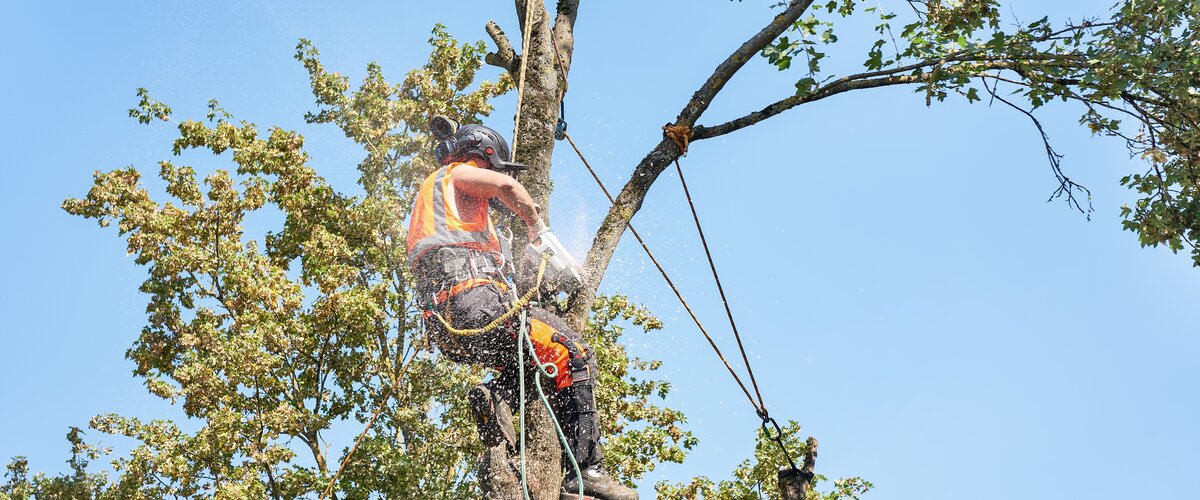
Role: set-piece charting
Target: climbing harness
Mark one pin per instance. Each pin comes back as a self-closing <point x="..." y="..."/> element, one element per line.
<point x="549" y="370"/>
<point x="518" y="306"/>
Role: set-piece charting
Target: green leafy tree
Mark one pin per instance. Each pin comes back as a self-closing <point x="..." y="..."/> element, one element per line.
<point x="269" y="342"/>
<point x="77" y="484"/>
<point x="755" y="478"/>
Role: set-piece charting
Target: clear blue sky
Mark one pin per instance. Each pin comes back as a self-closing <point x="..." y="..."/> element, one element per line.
<point x="906" y="292"/>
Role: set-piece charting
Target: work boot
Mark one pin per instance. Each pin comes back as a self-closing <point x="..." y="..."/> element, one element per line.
<point x="493" y="417"/>
<point x="597" y="484"/>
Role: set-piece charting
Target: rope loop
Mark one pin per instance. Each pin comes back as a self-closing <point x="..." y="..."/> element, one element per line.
<point x="681" y="135"/>
<point x="769" y="422"/>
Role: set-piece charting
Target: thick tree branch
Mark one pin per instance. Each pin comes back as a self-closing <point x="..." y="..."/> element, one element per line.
<point x="704" y="96"/>
<point x="985" y="62"/>
<point x="891" y="76"/>
<point x="796" y="100"/>
<point x="564" y="36"/>
<point x="629" y="201"/>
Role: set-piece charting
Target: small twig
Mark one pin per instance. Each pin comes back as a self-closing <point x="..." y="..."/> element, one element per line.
<point x="888" y="26"/>
<point x="1065" y="185"/>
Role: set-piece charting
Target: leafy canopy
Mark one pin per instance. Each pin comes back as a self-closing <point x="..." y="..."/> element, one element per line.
<point x="268" y="340"/>
<point x="1133" y="74"/>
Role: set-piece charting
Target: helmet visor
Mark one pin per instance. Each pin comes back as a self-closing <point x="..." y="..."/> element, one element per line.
<point x="501" y="164"/>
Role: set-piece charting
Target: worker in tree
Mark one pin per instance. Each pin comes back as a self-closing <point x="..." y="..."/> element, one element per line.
<point x="465" y="273"/>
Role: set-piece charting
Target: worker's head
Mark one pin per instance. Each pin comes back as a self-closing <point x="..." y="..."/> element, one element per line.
<point x="460" y="144"/>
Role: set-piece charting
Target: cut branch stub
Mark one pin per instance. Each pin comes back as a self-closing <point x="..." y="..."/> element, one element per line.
<point x="795" y="483"/>
<point x="504" y="56"/>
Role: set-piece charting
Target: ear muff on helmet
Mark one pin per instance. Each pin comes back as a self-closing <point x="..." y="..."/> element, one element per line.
<point x="442" y="126"/>
<point x="458" y="143"/>
<point x="443" y="129"/>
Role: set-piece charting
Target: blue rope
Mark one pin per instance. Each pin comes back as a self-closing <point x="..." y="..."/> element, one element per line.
<point x="548" y="370"/>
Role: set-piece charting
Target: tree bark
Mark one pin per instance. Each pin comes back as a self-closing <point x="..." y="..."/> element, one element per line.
<point x="498" y="478"/>
<point x="533" y="140"/>
<point x="500" y="470"/>
<point x="795" y="483"/>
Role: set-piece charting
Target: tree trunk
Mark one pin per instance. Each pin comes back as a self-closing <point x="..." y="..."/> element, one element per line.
<point x="533" y="145"/>
<point x="500" y="470"/>
<point x="533" y="138"/>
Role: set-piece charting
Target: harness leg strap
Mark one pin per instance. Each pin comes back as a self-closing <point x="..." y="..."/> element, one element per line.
<point x="577" y="404"/>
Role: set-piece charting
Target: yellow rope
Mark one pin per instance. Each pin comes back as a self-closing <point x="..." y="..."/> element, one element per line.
<point x="521" y="79"/>
<point x="516" y="308"/>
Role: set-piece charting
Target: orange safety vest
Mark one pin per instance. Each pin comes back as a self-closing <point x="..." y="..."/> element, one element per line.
<point x="436" y="221"/>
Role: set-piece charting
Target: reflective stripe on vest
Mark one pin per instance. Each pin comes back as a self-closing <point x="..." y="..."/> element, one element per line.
<point x="446" y="229"/>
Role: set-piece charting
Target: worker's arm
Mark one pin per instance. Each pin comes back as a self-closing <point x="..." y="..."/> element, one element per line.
<point x="483" y="183"/>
